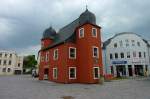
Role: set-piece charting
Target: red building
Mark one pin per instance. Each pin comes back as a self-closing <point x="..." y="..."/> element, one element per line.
<point x="74" y="54"/>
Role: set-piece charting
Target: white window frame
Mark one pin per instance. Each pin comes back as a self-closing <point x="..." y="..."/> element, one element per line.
<point x="47" y="57"/>
<point x="54" y="73"/>
<point x="75" y="72"/>
<point x="70" y="53"/>
<point x="55" y="58"/>
<point x="92" y="32"/>
<point x="94" y="73"/>
<point x="80" y="33"/>
<point x="97" y="52"/>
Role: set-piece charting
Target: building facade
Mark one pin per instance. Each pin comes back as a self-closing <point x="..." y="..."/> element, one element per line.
<point x="74" y="54"/>
<point x="10" y="63"/>
<point x="126" y="54"/>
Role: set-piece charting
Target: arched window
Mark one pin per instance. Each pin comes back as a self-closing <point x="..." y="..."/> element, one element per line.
<point x="116" y="55"/>
<point x="122" y="55"/>
<point x="8" y="70"/>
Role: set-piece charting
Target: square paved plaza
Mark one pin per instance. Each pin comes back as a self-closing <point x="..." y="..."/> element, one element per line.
<point x="25" y="87"/>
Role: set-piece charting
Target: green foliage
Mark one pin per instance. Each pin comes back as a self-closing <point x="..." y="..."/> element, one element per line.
<point x="29" y="62"/>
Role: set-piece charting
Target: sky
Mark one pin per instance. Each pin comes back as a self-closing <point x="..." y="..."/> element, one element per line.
<point x="22" y="22"/>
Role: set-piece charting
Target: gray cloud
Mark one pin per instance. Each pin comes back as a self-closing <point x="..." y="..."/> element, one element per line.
<point x="22" y="22"/>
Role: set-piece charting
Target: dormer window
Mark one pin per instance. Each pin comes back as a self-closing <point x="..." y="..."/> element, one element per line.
<point x="81" y="33"/>
<point x="94" y="32"/>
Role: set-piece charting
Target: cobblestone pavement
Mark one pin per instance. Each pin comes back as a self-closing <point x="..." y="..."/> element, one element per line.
<point x="25" y="87"/>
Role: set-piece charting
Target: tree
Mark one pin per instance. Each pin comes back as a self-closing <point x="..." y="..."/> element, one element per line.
<point x="29" y="62"/>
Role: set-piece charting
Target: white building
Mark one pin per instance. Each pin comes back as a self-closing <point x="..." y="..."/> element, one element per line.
<point x="10" y="63"/>
<point x="126" y="54"/>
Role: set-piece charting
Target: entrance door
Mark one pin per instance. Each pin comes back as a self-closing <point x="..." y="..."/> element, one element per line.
<point x="46" y="72"/>
<point x="121" y="70"/>
<point x="139" y="70"/>
<point x="130" y="70"/>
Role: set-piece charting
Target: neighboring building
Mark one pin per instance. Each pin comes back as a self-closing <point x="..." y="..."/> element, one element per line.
<point x="126" y="54"/>
<point x="74" y="54"/>
<point x="10" y="63"/>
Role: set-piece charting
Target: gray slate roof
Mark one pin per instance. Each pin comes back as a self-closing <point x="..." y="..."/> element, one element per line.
<point x="65" y="33"/>
<point x="109" y="40"/>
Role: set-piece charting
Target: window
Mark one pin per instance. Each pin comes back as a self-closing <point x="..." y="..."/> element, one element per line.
<point x="128" y="54"/>
<point x="133" y="42"/>
<point x="10" y="55"/>
<point x="122" y="55"/>
<point x="134" y="54"/>
<point x="95" y="52"/>
<point x="116" y="55"/>
<point x="5" y="55"/>
<point x="72" y="52"/>
<point x="55" y="57"/>
<point x="94" y="32"/>
<point x="72" y="72"/>
<point x="47" y="56"/>
<point x="121" y="43"/>
<point x="112" y="70"/>
<point x="96" y="72"/>
<point x="8" y="70"/>
<point x="0" y="54"/>
<point x="140" y="54"/>
<point x="144" y="54"/>
<point x="81" y="33"/>
<point x="42" y="58"/>
<point x="9" y="62"/>
<point x="138" y="43"/>
<point x="55" y="73"/>
<point x="4" y="70"/>
<point x="18" y="64"/>
<point x="42" y="44"/>
<point x="4" y="62"/>
<point x="127" y="45"/>
<point x="115" y="45"/>
<point x="111" y="56"/>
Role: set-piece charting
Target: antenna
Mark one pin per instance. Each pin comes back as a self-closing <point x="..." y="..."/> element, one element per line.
<point x="86" y="4"/>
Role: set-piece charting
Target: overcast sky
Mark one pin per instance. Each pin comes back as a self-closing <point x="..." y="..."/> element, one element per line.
<point x="22" y="22"/>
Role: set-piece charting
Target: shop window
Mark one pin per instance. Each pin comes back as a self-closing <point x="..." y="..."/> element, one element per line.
<point x="81" y="33"/>
<point x="72" y="52"/>
<point x="72" y="72"/>
<point x="96" y="72"/>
